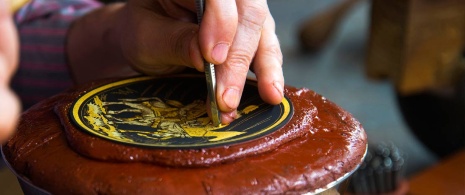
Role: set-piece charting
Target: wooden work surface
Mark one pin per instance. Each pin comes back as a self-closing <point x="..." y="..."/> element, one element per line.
<point x="447" y="177"/>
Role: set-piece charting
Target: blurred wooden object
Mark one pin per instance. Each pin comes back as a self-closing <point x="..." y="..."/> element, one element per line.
<point x="316" y="31"/>
<point x="417" y="43"/>
<point x="447" y="177"/>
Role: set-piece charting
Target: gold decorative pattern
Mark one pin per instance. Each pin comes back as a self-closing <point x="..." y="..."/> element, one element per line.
<point x="158" y="112"/>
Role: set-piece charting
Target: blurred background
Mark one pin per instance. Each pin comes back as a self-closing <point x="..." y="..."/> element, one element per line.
<point x="397" y="66"/>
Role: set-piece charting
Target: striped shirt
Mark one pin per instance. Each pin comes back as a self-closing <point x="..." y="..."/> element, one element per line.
<point x="42" y="27"/>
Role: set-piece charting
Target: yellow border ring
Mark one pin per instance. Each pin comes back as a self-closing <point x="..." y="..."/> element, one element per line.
<point x="285" y="107"/>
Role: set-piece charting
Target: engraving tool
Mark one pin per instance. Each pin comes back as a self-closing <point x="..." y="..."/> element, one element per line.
<point x="209" y="73"/>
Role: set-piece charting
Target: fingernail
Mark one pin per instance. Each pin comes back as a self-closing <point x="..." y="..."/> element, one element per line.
<point x="231" y="98"/>
<point x="220" y="52"/>
<point x="277" y="85"/>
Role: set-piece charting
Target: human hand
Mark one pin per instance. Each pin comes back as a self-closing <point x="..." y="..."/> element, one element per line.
<point x="9" y="105"/>
<point x="232" y="35"/>
<point x="161" y="37"/>
<point x="235" y="36"/>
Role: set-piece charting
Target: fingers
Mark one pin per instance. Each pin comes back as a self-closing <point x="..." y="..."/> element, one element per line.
<point x="156" y="45"/>
<point x="9" y="106"/>
<point x="8" y="43"/>
<point x="267" y="65"/>
<point x="232" y="35"/>
<point x="231" y="75"/>
<point x="217" y="30"/>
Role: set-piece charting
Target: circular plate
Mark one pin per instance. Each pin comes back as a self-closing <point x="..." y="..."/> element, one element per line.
<point x="171" y="113"/>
